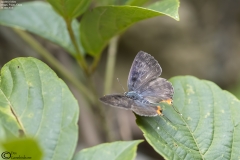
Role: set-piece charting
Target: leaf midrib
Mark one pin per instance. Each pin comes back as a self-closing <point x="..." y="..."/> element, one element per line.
<point x="213" y="118"/>
<point x="13" y="115"/>
<point x="187" y="124"/>
<point x="11" y="107"/>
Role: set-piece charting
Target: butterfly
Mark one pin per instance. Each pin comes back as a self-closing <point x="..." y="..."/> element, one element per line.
<point x="146" y="89"/>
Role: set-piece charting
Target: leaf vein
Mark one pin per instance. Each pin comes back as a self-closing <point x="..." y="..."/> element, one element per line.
<point x="213" y="118"/>
<point x="188" y="125"/>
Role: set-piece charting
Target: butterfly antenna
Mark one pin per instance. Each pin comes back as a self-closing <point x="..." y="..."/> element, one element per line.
<point x="121" y="85"/>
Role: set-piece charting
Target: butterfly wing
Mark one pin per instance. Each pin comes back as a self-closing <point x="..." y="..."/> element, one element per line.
<point x="124" y="102"/>
<point x="149" y="110"/>
<point x="157" y="90"/>
<point x="117" y="100"/>
<point x="144" y="80"/>
<point x="144" y="69"/>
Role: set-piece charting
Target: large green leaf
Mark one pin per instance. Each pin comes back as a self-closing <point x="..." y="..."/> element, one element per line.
<point x="136" y="2"/>
<point x="24" y="148"/>
<point x="70" y="9"/>
<point x="121" y="2"/>
<point x="235" y="89"/>
<point x="9" y="127"/>
<point x="39" y="18"/>
<point x="35" y="102"/>
<point x="110" y="151"/>
<point x="208" y="128"/>
<point x="99" y="25"/>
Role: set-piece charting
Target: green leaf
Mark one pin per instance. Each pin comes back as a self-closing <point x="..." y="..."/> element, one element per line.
<point x="110" y="151"/>
<point x="109" y="2"/>
<point x="70" y="9"/>
<point x="34" y="102"/>
<point x="167" y="7"/>
<point x="9" y="127"/>
<point x="39" y="18"/>
<point x="120" y="2"/>
<point x="136" y="2"/>
<point x="235" y="89"/>
<point x="24" y="148"/>
<point x="208" y="128"/>
<point x="102" y="23"/>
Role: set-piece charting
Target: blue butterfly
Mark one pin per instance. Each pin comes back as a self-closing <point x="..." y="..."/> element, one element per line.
<point x="145" y="88"/>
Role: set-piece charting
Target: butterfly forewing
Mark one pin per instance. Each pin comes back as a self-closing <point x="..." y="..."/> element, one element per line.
<point x="117" y="100"/>
<point x="144" y="69"/>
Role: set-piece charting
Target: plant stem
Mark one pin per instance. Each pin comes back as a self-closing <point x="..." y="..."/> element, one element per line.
<point x="56" y="65"/>
<point x="101" y="114"/>
<point x="94" y="64"/>
<point x="80" y="59"/>
<point x="112" y="52"/>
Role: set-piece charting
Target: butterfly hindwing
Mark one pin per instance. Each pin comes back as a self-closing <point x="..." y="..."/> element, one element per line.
<point x="146" y="109"/>
<point x="157" y="90"/>
<point x="144" y="69"/>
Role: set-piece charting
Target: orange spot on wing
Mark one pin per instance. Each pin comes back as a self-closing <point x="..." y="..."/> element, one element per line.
<point x="168" y="101"/>
<point x="159" y="110"/>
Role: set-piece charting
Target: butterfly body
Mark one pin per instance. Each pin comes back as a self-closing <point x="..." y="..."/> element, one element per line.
<point x="145" y="88"/>
<point x="135" y="96"/>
